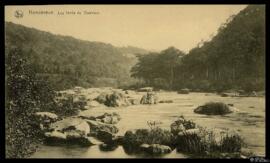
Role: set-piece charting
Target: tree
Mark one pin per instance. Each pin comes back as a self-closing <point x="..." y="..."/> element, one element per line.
<point x="25" y="95"/>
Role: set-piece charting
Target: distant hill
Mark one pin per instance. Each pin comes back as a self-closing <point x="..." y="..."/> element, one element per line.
<point x="131" y="51"/>
<point x="66" y="61"/>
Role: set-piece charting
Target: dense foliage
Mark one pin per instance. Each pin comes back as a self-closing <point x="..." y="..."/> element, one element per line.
<point x="25" y="94"/>
<point x="66" y="62"/>
<point x="158" y="69"/>
<point x="233" y="59"/>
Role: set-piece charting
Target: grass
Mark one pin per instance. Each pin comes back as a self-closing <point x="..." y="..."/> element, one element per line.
<point x="155" y="135"/>
<point x="204" y="144"/>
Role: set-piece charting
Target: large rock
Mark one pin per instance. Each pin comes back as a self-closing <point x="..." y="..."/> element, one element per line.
<point x="56" y="135"/>
<point x="102" y="98"/>
<point x="105" y="136"/>
<point x="99" y="126"/>
<point x="69" y="131"/>
<point x="156" y="149"/>
<point x="134" y="101"/>
<point x="113" y="99"/>
<point x="71" y="124"/>
<point x="112" y="118"/>
<point x="107" y="147"/>
<point x="149" y="98"/>
<point x="159" y="149"/>
<point x="214" y="108"/>
<point x="93" y="103"/>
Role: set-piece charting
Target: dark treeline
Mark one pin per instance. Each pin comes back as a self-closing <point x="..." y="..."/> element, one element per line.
<point x="66" y="62"/>
<point x="233" y="59"/>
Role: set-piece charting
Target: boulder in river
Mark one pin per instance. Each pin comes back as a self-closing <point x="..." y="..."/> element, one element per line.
<point x="105" y="136"/>
<point x="71" y="124"/>
<point x="113" y="99"/>
<point x="134" y="101"/>
<point x="99" y="126"/>
<point x="112" y="118"/>
<point x="69" y="131"/>
<point x="107" y="147"/>
<point x="93" y="103"/>
<point x="149" y="98"/>
<point x="214" y="108"/>
<point x="157" y="149"/>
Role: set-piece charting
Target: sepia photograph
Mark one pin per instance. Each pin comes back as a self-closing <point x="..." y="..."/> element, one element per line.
<point x="135" y="81"/>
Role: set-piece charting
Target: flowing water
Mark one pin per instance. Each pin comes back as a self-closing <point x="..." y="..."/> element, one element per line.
<point x="249" y="122"/>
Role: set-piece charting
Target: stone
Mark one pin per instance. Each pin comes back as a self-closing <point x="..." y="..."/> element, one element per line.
<point x="71" y="123"/>
<point x="55" y="134"/>
<point x="94" y="141"/>
<point x="158" y="149"/>
<point x="118" y="139"/>
<point x="107" y="147"/>
<point x="102" y="98"/>
<point x="97" y="126"/>
<point x="93" y="103"/>
<point x="134" y="101"/>
<point x="109" y="118"/>
<point x="105" y="136"/>
<point x="113" y="99"/>
<point x="144" y="147"/>
<point x="149" y="98"/>
<point x="214" y="108"/>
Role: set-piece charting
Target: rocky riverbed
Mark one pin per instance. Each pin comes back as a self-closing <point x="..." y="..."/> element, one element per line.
<point x="108" y="114"/>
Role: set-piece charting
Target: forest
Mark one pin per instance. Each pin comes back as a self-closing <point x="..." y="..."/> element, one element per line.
<point x="233" y="59"/>
<point x="67" y="62"/>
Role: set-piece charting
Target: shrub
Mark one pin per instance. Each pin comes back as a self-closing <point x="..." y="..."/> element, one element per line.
<point x="182" y="124"/>
<point x="204" y="144"/>
<point x="66" y="107"/>
<point x="25" y="95"/>
<point x="155" y="135"/>
<point x="231" y="143"/>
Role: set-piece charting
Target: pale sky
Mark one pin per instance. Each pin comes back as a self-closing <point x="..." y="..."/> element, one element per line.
<point x="147" y="26"/>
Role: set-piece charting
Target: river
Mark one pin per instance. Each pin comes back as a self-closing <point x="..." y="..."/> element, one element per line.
<point x="249" y="122"/>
